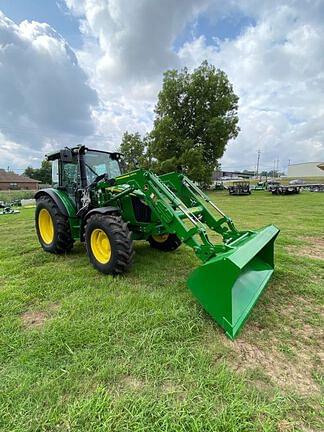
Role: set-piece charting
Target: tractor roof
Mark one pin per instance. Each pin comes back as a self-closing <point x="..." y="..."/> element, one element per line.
<point x="75" y="150"/>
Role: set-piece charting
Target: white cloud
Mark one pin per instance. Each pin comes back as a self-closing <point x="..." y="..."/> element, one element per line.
<point x="277" y="70"/>
<point x="276" y="67"/>
<point x="44" y="93"/>
<point x="127" y="47"/>
<point x="135" y="37"/>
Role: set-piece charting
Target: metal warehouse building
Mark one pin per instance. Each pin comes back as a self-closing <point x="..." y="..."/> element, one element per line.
<point x="307" y="169"/>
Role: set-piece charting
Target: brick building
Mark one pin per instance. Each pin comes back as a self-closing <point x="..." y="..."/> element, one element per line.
<point x="12" y="181"/>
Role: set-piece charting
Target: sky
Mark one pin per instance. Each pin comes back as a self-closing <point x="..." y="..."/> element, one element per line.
<point x="85" y="71"/>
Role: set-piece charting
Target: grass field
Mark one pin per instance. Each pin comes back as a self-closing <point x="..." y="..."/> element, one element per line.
<point x="81" y="351"/>
<point x="10" y="195"/>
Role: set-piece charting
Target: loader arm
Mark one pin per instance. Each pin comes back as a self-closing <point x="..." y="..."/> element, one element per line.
<point x="234" y="272"/>
<point x="181" y="208"/>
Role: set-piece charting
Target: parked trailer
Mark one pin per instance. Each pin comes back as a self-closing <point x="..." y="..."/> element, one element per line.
<point x="285" y="190"/>
<point x="315" y="187"/>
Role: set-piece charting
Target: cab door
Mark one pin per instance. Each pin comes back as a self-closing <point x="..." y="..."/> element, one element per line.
<point x="71" y="178"/>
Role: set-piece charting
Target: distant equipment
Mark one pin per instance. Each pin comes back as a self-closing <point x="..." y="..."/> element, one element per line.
<point x="272" y="184"/>
<point x="28" y="202"/>
<point x="285" y="190"/>
<point x="8" y="211"/>
<point x="297" y="182"/>
<point x="316" y="187"/>
<point x="239" y="188"/>
<point x="219" y="186"/>
<point x="260" y="186"/>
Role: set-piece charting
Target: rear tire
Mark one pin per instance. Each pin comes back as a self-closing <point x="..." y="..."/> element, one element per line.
<point x="109" y="244"/>
<point x="170" y="243"/>
<point x="52" y="227"/>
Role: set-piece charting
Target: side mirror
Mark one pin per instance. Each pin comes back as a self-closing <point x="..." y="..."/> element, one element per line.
<point x="66" y="156"/>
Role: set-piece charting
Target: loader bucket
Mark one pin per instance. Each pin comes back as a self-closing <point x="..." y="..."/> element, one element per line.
<point x="229" y="284"/>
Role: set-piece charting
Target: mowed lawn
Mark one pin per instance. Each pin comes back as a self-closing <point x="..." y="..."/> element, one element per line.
<point x="81" y="351"/>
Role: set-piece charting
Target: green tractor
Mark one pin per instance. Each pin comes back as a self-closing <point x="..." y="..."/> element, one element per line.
<point x="94" y="201"/>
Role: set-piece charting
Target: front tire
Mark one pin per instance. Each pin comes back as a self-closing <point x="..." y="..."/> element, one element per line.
<point x="52" y="227"/>
<point x="165" y="242"/>
<point x="109" y="244"/>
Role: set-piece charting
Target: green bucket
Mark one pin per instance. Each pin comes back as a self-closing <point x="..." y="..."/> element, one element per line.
<point x="228" y="285"/>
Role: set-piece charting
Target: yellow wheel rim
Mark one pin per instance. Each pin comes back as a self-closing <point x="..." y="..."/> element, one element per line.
<point x="100" y="246"/>
<point x="46" y="227"/>
<point x="160" y="238"/>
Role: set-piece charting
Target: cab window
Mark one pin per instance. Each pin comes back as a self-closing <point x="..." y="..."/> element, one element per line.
<point x="98" y="163"/>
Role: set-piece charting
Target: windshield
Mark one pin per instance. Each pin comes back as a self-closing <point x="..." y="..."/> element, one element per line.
<point x="98" y="163"/>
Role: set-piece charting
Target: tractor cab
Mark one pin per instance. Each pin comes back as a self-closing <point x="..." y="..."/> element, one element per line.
<point x="76" y="169"/>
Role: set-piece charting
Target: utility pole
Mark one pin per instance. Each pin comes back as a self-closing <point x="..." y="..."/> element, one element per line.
<point x="274" y="167"/>
<point x="277" y="167"/>
<point x="258" y="163"/>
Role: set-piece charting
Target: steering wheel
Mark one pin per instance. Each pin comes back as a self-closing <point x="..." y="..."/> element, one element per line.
<point x="97" y="180"/>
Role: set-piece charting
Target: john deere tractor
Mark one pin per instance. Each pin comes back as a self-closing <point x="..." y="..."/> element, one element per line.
<point x="94" y="201"/>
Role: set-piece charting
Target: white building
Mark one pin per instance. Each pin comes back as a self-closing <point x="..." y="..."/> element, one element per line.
<point x="307" y="169"/>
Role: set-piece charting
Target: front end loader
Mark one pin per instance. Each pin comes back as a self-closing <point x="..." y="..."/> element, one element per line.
<point x="93" y="201"/>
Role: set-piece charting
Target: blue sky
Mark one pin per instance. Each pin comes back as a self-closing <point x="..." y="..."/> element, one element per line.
<point x="102" y="76"/>
<point x="211" y="28"/>
<point x="55" y="13"/>
<point x="58" y="16"/>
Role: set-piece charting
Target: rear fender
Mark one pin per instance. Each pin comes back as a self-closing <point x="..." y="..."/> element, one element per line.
<point x="66" y="207"/>
<point x="50" y="192"/>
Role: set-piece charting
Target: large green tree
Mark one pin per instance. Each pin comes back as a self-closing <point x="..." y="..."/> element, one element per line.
<point x="196" y="116"/>
<point x="133" y="148"/>
<point x="43" y="174"/>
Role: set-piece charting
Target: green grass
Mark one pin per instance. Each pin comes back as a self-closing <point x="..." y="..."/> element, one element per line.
<point x="80" y="351"/>
<point x="16" y="194"/>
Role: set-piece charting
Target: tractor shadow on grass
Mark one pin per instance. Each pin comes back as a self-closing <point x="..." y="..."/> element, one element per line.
<point x="160" y="268"/>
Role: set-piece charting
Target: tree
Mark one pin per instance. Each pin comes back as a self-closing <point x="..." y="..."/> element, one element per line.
<point x="196" y="115"/>
<point x="30" y="172"/>
<point x="43" y="174"/>
<point x="132" y="147"/>
<point x="271" y="173"/>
